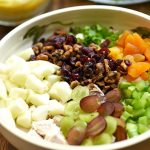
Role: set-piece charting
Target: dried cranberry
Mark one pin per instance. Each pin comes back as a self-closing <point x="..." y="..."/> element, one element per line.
<point x="32" y="57"/>
<point x="58" y="41"/>
<point x="127" y="62"/>
<point x="83" y="58"/>
<point x="118" y="61"/>
<point x="105" y="43"/>
<point x="87" y="51"/>
<point x="73" y="60"/>
<point x="112" y="65"/>
<point x="105" y="51"/>
<point x="74" y="76"/>
<point x="70" y="39"/>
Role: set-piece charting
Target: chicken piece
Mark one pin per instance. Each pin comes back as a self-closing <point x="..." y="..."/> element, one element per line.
<point x="57" y="138"/>
<point x="49" y="131"/>
<point x="34" y="134"/>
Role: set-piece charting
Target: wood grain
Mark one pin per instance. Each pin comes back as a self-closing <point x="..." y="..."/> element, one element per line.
<point x="56" y="4"/>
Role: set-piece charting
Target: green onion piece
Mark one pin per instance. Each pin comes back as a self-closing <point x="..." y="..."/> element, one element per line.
<point x="132" y="129"/>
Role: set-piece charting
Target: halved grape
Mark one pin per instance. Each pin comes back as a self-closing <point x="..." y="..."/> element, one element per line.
<point x="72" y="109"/>
<point x="120" y="133"/>
<point x="87" y="142"/>
<point x="96" y="126"/>
<point x="80" y="123"/>
<point x="66" y="124"/>
<point x="120" y="122"/>
<point x="103" y="138"/>
<point x="107" y="108"/>
<point x="113" y="95"/>
<point x="90" y="103"/>
<point x="111" y="124"/>
<point x="119" y="109"/>
<point x="87" y="117"/>
<point x="76" y="135"/>
<point x="79" y="92"/>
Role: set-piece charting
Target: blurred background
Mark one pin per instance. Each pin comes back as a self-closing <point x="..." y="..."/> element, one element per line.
<point x="14" y="12"/>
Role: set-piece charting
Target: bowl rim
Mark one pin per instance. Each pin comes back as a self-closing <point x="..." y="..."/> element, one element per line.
<point x="47" y="145"/>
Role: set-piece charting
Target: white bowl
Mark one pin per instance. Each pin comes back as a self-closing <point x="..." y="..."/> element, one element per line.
<point x="119" y="18"/>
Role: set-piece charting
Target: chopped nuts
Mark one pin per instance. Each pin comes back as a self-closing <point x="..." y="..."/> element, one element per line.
<point x="80" y="64"/>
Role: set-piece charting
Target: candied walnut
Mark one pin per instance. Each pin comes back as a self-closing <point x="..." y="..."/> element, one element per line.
<point x="94" y="47"/>
<point x="48" y="48"/>
<point x="78" y="64"/>
<point x="100" y="67"/>
<point x="42" y="57"/>
<point x="39" y="45"/>
<point x="74" y="84"/>
<point x="76" y="47"/>
<point x="106" y="64"/>
<point x="68" y="48"/>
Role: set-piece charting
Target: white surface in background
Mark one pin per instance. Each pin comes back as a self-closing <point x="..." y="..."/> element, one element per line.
<point x="120" y="2"/>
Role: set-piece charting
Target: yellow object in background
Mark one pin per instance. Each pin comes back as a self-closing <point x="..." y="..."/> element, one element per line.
<point x="16" y="11"/>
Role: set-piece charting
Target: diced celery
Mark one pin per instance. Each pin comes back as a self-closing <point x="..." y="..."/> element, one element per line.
<point x="138" y="113"/>
<point x="139" y="104"/>
<point x="147" y="113"/>
<point x="142" y="128"/>
<point x="128" y="92"/>
<point x="129" y="108"/>
<point x="66" y="124"/>
<point x="124" y="84"/>
<point x="141" y="85"/>
<point x="132" y="129"/>
<point x="103" y="138"/>
<point x="130" y="120"/>
<point x="143" y="120"/>
<point x="137" y="94"/>
<point x="125" y="115"/>
<point x="128" y="101"/>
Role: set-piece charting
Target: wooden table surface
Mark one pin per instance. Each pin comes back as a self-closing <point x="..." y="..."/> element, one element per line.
<point x="56" y="4"/>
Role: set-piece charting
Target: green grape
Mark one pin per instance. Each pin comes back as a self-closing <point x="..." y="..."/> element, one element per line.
<point x="111" y="124"/>
<point x="87" y="142"/>
<point x="72" y="109"/>
<point x="103" y="138"/>
<point x="66" y="124"/>
<point x="80" y="123"/>
<point x="88" y="116"/>
<point x="79" y="92"/>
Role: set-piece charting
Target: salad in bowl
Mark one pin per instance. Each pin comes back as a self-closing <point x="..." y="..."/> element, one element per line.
<point x="85" y="85"/>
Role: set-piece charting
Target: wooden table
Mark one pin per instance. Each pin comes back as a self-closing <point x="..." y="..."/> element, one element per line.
<point x="56" y="4"/>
